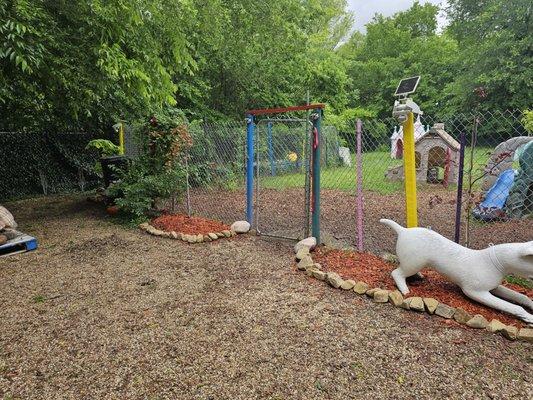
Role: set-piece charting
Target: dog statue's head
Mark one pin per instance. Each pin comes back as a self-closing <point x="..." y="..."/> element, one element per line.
<point x="518" y="259"/>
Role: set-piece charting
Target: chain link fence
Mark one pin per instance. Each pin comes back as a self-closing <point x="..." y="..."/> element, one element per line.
<point x="41" y="163"/>
<point x="474" y="176"/>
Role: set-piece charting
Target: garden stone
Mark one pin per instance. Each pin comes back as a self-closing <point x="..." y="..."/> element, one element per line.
<point x="334" y="279"/>
<point x="191" y="238"/>
<point x="199" y="238"/>
<point x="526" y="334"/>
<point x="304" y="251"/>
<point x="478" y="322"/>
<point x="370" y="292"/>
<point x="444" y="311"/>
<point x="304" y="263"/>
<point x="381" y="296"/>
<point x="406" y="303"/>
<point x="495" y="326"/>
<point x="144" y="226"/>
<point x="212" y="235"/>
<point x="348" y="285"/>
<point x="360" y="287"/>
<point x="461" y="316"/>
<point x="232" y="232"/>
<point x="174" y="235"/>
<point x="396" y="298"/>
<point x="226" y="233"/>
<point x="207" y="238"/>
<point x="183" y="237"/>
<point x="220" y="234"/>
<point x="240" y="226"/>
<point x="417" y="304"/>
<point x="309" y="242"/>
<point x="320" y="275"/>
<point x="431" y="304"/>
<point x="510" y="332"/>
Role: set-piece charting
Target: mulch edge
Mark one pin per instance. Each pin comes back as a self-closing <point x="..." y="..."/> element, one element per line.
<point x="417" y="304"/>
<point x="210" y="237"/>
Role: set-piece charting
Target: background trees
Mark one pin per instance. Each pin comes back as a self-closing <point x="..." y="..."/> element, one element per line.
<point x="81" y="65"/>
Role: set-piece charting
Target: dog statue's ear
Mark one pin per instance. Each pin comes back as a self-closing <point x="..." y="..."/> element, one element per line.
<point x="527" y="250"/>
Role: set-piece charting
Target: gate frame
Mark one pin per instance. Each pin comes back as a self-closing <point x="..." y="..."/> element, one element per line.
<point x="316" y="119"/>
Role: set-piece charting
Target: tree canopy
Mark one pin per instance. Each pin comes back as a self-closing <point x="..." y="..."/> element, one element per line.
<point x="81" y="65"/>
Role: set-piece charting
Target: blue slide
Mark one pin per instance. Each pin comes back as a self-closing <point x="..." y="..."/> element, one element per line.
<point x="491" y="208"/>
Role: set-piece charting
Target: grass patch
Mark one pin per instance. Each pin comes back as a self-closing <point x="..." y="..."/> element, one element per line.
<point x="526" y="283"/>
<point x="375" y="165"/>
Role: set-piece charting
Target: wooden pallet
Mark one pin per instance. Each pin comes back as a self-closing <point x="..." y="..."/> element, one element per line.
<point x="20" y="244"/>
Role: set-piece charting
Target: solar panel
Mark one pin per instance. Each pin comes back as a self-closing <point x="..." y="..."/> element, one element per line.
<point x="407" y="86"/>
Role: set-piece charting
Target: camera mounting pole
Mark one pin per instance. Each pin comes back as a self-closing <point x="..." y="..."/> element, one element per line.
<point x="404" y="110"/>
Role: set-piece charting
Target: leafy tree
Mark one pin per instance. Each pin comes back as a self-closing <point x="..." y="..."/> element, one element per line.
<point x="495" y="45"/>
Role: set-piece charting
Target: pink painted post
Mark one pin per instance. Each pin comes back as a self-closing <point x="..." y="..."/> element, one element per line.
<point x="359" y="165"/>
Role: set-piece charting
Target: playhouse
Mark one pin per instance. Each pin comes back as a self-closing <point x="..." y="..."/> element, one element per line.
<point x="435" y="151"/>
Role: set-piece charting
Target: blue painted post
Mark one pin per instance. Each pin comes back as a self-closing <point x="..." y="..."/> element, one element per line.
<point x="249" y="168"/>
<point x="271" y="150"/>
<point x="315" y="216"/>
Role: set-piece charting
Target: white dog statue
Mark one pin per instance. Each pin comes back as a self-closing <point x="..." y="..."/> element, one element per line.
<point x="479" y="273"/>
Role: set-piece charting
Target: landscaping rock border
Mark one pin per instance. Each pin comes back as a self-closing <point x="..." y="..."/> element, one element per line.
<point x="418" y="304"/>
<point x="210" y="237"/>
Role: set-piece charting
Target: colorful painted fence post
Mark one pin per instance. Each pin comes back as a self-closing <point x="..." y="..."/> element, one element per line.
<point x="359" y="198"/>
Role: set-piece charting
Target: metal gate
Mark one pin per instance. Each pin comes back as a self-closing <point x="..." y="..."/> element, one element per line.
<point x="282" y="172"/>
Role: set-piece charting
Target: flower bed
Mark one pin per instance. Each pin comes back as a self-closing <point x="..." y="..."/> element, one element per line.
<point x="366" y="274"/>
<point x="187" y="229"/>
<point x="376" y="273"/>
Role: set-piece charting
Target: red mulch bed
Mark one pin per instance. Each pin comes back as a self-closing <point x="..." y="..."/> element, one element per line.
<point x="188" y="225"/>
<point x="376" y="272"/>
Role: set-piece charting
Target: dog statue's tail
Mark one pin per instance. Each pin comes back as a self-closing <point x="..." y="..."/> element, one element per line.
<point x="389" y="222"/>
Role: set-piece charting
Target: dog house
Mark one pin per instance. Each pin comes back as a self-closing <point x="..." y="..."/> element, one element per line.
<point x="436" y="157"/>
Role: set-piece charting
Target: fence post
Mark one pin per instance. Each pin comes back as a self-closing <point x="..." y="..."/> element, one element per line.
<point x="315" y="204"/>
<point x="459" y="199"/>
<point x="271" y="149"/>
<point x="359" y="166"/>
<point x="409" y="169"/>
<point x="249" y="167"/>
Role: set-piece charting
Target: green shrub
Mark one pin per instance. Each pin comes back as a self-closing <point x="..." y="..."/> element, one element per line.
<point x="159" y="171"/>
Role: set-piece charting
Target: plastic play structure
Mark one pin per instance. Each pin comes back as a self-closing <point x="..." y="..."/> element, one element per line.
<point x="511" y="195"/>
<point x="435" y="150"/>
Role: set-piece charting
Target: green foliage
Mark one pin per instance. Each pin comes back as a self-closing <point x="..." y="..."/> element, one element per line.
<point x="495" y="42"/>
<point x="104" y="146"/>
<point x="72" y="64"/>
<point x="81" y="65"/>
<point x="158" y="173"/>
<point x="527" y="120"/>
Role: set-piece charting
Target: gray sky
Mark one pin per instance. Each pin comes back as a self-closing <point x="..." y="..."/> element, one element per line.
<point x="365" y="9"/>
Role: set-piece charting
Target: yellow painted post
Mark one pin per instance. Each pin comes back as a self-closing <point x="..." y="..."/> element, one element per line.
<point x="409" y="168"/>
<point x="121" y="138"/>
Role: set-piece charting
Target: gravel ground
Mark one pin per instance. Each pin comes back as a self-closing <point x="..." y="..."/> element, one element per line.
<point x="101" y="312"/>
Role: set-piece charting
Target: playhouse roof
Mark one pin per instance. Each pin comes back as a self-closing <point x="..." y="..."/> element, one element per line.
<point x="438" y="129"/>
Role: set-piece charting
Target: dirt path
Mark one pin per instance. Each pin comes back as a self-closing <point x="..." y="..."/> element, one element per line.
<point x="100" y="312"/>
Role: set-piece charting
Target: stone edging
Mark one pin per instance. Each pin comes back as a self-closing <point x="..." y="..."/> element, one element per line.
<point x="210" y="237"/>
<point x="418" y="304"/>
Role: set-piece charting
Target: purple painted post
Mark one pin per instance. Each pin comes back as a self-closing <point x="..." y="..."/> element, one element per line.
<point x="459" y="199"/>
<point x="359" y="163"/>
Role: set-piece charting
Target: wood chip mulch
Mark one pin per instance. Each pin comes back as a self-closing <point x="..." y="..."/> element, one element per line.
<point x="187" y="225"/>
<point x="375" y="272"/>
